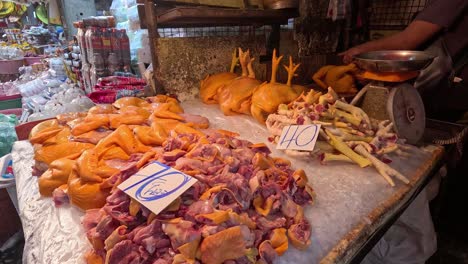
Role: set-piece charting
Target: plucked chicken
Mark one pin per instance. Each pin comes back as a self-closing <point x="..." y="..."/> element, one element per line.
<point x="268" y="96"/>
<point x="236" y="97"/>
<point x="210" y="85"/>
<point x="340" y="78"/>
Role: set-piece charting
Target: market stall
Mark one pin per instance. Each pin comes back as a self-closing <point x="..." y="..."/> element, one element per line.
<point x="351" y="202"/>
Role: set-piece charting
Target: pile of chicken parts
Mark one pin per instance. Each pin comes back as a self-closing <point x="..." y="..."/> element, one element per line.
<point x="245" y="208"/>
<point x="347" y="133"/>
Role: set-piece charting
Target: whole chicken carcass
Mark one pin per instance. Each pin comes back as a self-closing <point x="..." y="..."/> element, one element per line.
<point x="340" y="78"/>
<point x="235" y="97"/>
<point x="210" y="85"/>
<point x="268" y="96"/>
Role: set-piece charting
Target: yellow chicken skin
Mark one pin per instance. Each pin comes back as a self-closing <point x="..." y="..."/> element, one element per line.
<point x="57" y="175"/>
<point x="86" y="195"/>
<point x="135" y="110"/>
<point x="236" y="97"/>
<point x="174" y="106"/>
<point x="61" y="137"/>
<point x="125" y="139"/>
<point x="48" y="154"/>
<point x="210" y="86"/>
<point x="91" y="122"/>
<point x="116" y="121"/>
<point x="151" y="136"/>
<point x="340" y="78"/>
<point x="83" y="154"/>
<point x="102" y="109"/>
<point x="41" y="127"/>
<point x="130" y="101"/>
<point x="268" y="96"/>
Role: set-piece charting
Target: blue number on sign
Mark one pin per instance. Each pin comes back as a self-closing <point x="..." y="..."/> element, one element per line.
<point x="297" y="139"/>
<point x="154" y="186"/>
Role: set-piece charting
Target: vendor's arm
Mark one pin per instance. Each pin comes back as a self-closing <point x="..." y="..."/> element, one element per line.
<point x="417" y="33"/>
<point x="437" y="16"/>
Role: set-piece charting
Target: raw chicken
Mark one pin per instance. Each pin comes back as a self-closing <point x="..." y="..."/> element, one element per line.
<point x="212" y="83"/>
<point x="268" y="96"/>
<point x="340" y="78"/>
<point x="236" y="97"/>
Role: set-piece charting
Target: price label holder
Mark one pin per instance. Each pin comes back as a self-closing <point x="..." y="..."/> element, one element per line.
<point x="156" y="186"/>
<point x="299" y="137"/>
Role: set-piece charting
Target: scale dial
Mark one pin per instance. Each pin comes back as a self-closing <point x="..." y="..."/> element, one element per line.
<point x="406" y="110"/>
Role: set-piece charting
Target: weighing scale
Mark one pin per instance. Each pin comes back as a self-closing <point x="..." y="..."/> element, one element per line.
<point x="390" y="95"/>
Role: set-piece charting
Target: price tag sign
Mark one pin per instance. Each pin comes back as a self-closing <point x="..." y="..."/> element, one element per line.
<point x="299" y="137"/>
<point x="156" y="186"/>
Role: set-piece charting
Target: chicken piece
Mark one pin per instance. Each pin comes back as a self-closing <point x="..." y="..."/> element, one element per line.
<point x="173" y="103"/>
<point x="63" y="119"/>
<point x="116" y="120"/>
<point x="91" y="122"/>
<point x="167" y="124"/>
<point x="92" y="137"/>
<point x="340" y="78"/>
<point x="48" y="154"/>
<point x="102" y="109"/>
<point x="162" y="111"/>
<point x="128" y="101"/>
<point x="211" y="84"/>
<point x="86" y="195"/>
<point x="90" y="170"/>
<point x="114" y="152"/>
<point x="268" y="96"/>
<point x="124" y="138"/>
<point x="62" y="137"/>
<point x="135" y="110"/>
<point x="151" y="136"/>
<point x="225" y="245"/>
<point x="55" y="176"/>
<point x="48" y="124"/>
<point x="236" y="97"/>
<point x="45" y="134"/>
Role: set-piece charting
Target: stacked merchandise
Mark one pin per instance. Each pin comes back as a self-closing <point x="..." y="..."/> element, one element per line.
<point x="112" y="88"/>
<point x="105" y="49"/>
<point x="72" y="56"/>
<point x="13" y="35"/>
<point x="126" y="15"/>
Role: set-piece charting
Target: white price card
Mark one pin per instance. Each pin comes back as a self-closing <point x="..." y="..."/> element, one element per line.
<point x="156" y="186"/>
<point x="299" y="137"/>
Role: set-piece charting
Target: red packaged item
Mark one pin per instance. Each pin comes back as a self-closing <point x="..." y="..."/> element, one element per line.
<point x="125" y="49"/>
<point x="118" y="80"/>
<point x="103" y="97"/>
<point x="106" y="44"/>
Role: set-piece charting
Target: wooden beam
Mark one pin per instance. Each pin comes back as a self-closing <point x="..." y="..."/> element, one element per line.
<point x="217" y="3"/>
<point x="151" y="23"/>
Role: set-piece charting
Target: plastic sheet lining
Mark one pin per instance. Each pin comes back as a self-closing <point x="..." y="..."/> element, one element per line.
<point x="346" y="194"/>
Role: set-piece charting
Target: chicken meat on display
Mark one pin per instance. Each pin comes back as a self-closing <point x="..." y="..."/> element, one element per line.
<point x="347" y="134"/>
<point x="247" y="95"/>
<point x="247" y="207"/>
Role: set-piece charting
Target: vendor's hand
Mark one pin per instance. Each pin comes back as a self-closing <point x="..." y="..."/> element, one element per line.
<point x="348" y="55"/>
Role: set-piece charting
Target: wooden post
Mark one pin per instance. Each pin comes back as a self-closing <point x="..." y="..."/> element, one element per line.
<point x="151" y="22"/>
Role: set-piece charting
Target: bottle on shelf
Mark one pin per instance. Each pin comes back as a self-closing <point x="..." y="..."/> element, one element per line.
<point x="125" y="48"/>
<point x="106" y="44"/>
<point x="113" y="63"/>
